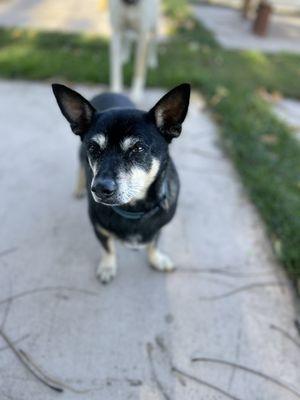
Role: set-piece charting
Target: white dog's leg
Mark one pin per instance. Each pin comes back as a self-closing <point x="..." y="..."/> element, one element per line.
<point x="116" y="76"/>
<point x="158" y="260"/>
<point x="126" y="48"/>
<point x="140" y="66"/>
<point x="152" y="56"/>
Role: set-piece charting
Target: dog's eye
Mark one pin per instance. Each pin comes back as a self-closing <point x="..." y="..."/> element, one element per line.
<point x="93" y="149"/>
<point x="136" y="149"/>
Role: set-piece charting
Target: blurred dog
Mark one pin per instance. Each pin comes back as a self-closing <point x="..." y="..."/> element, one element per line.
<point x="130" y="178"/>
<point x="133" y="21"/>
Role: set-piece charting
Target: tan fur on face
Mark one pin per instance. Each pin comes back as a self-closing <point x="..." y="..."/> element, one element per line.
<point x="135" y="184"/>
<point x="128" y="142"/>
<point x="101" y="140"/>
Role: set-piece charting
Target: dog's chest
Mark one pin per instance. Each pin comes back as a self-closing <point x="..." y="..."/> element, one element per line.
<point x="131" y="18"/>
<point x="134" y="242"/>
<point x="136" y="18"/>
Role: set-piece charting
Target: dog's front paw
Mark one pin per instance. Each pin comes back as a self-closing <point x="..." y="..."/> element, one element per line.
<point x="161" y="262"/>
<point x="79" y="193"/>
<point x="107" y="269"/>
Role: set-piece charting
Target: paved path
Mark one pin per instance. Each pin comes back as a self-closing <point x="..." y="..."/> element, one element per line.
<point x="91" y="16"/>
<point x="228" y="299"/>
<point x="232" y="31"/>
<point x="289" y="111"/>
<point x="279" y="5"/>
<point x="88" y="16"/>
<point x="67" y="15"/>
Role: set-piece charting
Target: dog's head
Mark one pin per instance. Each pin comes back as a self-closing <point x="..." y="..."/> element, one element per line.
<point x="130" y="2"/>
<point x="126" y="148"/>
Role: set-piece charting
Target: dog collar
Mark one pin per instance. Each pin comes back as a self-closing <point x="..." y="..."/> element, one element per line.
<point x="136" y="215"/>
<point x="128" y="214"/>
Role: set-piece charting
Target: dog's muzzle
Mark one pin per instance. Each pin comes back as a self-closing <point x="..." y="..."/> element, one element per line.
<point x="104" y="189"/>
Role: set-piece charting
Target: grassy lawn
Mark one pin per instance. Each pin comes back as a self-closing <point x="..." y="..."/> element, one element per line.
<point x="263" y="149"/>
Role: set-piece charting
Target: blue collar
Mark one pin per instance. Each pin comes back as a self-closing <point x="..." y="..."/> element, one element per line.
<point x="128" y="214"/>
<point x="135" y="215"/>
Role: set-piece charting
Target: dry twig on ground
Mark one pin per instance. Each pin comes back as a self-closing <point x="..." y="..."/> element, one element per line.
<point x="180" y="374"/>
<point x="250" y="370"/>
<point x="154" y="374"/>
<point x="286" y="334"/>
<point x="52" y="384"/>
<point x="242" y="289"/>
<point x="203" y="383"/>
<point x="46" y="289"/>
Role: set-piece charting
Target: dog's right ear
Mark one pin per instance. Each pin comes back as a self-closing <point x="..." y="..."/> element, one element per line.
<point x="76" y="109"/>
<point x="170" y="112"/>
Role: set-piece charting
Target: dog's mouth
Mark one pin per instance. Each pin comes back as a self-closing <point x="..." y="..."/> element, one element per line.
<point x="107" y="200"/>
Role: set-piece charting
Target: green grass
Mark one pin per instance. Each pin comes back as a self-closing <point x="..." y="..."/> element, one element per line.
<point x="263" y="149"/>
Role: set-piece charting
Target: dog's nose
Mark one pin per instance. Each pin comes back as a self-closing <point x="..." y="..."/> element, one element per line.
<point x="104" y="186"/>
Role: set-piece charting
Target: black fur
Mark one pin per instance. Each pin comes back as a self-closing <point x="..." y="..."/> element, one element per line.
<point x="115" y="116"/>
<point x="130" y="2"/>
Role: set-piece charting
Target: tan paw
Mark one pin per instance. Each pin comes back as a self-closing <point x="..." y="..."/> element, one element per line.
<point x="161" y="262"/>
<point x="107" y="269"/>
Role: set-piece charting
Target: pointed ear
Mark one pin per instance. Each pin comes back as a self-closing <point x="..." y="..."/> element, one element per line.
<point x="76" y="109"/>
<point x="170" y="112"/>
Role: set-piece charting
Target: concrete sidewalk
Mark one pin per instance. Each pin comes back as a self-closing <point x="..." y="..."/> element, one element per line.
<point x="289" y="111"/>
<point x="228" y="299"/>
<point x="68" y="15"/>
<point x="233" y="32"/>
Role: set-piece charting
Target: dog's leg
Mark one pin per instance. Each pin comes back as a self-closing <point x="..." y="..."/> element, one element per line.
<point x="126" y="48"/>
<point x="80" y="188"/>
<point x="116" y="76"/>
<point x="152" y="56"/>
<point x="107" y="268"/>
<point x="158" y="260"/>
<point x="140" y="66"/>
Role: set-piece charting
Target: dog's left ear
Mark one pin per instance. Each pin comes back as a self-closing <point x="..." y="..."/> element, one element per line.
<point x="170" y="112"/>
<point x="75" y="108"/>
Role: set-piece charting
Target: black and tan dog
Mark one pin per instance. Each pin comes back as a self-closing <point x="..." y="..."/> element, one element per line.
<point x="131" y="180"/>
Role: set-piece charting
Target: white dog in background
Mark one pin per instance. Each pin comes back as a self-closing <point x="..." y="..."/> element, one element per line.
<point x="133" y="21"/>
